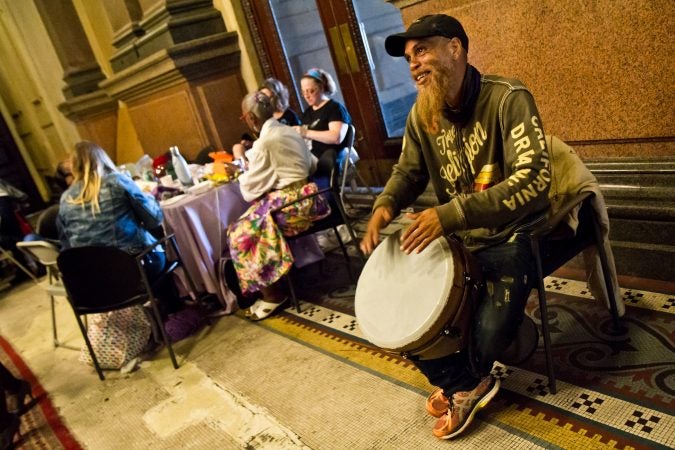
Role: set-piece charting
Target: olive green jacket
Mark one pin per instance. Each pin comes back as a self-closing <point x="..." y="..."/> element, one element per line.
<point x="491" y="176"/>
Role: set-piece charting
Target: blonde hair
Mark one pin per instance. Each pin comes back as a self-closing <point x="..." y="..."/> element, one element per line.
<point x="90" y="164"/>
<point x="322" y="77"/>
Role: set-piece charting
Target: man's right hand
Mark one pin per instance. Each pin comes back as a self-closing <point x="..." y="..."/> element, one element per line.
<point x="381" y="217"/>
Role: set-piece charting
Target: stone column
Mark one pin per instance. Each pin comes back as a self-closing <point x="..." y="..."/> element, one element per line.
<point x="92" y="110"/>
<point x="179" y="75"/>
<point x="125" y="17"/>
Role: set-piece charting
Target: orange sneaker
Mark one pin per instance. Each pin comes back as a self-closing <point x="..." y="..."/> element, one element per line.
<point x="437" y="403"/>
<point x="464" y="406"/>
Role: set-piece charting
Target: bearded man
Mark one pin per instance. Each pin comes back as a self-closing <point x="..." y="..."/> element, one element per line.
<point x="479" y="140"/>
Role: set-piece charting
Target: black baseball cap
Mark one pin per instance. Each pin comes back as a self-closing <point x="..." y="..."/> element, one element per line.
<point x="425" y="26"/>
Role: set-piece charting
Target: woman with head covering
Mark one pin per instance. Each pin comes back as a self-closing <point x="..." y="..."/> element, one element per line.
<point x="278" y="94"/>
<point x="279" y="165"/>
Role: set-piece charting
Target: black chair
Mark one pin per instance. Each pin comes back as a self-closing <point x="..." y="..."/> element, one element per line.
<point x="46" y="223"/>
<point x="100" y="279"/>
<point x="553" y="244"/>
<point x="337" y="217"/>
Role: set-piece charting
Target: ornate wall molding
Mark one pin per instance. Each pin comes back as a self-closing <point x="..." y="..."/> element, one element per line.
<point x="186" y="61"/>
<point x="88" y="105"/>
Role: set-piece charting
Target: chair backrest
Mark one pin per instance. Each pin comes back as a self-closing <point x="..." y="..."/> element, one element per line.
<point x="351" y="136"/>
<point x="46" y="223"/>
<point x="337" y="215"/>
<point x="100" y="279"/>
<point x="561" y="244"/>
<point x="347" y="156"/>
<point x="45" y="252"/>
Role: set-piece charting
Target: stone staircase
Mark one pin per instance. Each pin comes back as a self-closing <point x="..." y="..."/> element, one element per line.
<point x="640" y="197"/>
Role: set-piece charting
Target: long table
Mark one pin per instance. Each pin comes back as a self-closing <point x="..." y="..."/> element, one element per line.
<point x="200" y="223"/>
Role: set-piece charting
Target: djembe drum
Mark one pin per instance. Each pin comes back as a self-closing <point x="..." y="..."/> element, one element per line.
<point x="418" y="305"/>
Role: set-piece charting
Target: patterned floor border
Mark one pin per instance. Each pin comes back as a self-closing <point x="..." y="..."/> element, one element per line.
<point x="653" y="301"/>
<point x="575" y="417"/>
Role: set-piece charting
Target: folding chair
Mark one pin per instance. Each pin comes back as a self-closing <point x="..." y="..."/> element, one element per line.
<point x="6" y="255"/>
<point x="46" y="254"/>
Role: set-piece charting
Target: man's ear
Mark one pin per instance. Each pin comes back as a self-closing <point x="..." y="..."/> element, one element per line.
<point x="454" y="47"/>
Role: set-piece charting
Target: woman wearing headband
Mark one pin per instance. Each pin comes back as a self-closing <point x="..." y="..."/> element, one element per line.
<point x="325" y="121"/>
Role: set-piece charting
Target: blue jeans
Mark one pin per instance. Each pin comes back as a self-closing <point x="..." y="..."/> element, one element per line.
<point x="154" y="263"/>
<point x="166" y="292"/>
<point x="508" y="269"/>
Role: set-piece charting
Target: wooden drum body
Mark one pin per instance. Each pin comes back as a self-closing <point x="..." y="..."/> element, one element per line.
<point x="418" y="305"/>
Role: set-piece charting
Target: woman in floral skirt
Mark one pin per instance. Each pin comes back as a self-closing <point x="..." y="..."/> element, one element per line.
<point x="279" y="164"/>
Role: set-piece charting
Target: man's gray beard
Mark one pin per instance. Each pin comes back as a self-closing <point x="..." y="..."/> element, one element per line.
<point x="431" y="100"/>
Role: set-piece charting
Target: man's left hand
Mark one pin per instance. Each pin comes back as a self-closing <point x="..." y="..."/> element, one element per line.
<point x="425" y="228"/>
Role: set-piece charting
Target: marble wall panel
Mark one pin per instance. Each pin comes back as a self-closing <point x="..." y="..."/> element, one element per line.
<point x="602" y="71"/>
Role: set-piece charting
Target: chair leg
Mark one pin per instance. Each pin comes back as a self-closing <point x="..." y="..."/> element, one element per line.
<point x="291" y="289"/>
<point x="543" y="310"/>
<point x="7" y="254"/>
<point x="604" y="264"/>
<point x="186" y="275"/>
<point x="345" y="254"/>
<point x="350" y="230"/>
<point x="165" y="338"/>
<point x="54" y="333"/>
<point x="89" y="347"/>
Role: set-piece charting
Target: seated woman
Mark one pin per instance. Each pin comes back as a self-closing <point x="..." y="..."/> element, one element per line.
<point x="325" y="122"/>
<point x="105" y="207"/>
<point x="278" y="94"/>
<point x="279" y="164"/>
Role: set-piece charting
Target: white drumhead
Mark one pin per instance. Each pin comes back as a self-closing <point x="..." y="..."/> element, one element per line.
<point x="399" y="297"/>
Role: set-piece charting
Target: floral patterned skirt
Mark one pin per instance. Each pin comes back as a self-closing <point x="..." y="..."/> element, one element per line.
<point x="256" y="241"/>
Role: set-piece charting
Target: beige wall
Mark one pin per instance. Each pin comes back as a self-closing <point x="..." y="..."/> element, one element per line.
<point x="235" y="20"/>
<point x="602" y="71"/>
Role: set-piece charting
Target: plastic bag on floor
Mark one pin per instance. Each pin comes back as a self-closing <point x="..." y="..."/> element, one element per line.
<point x="117" y="337"/>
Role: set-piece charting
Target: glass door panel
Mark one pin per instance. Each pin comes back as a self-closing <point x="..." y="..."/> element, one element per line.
<point x="304" y="42"/>
<point x="345" y="38"/>
<point x="391" y="76"/>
